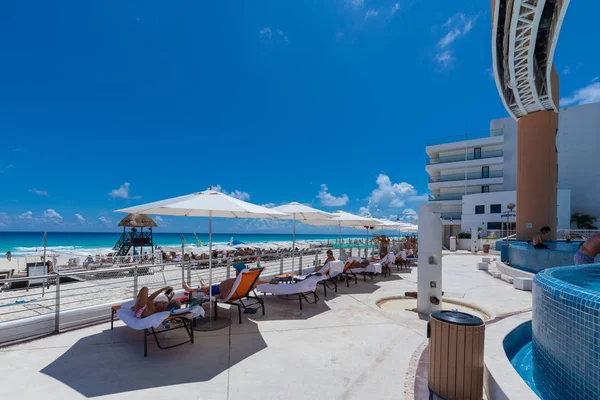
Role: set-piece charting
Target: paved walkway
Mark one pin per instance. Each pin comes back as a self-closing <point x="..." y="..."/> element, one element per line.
<point x="346" y="347"/>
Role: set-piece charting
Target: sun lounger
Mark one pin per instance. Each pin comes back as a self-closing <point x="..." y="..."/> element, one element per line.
<point x="373" y="268"/>
<point x="331" y="270"/>
<point x="151" y="322"/>
<point x="348" y="274"/>
<point x="243" y="289"/>
<point x="301" y="288"/>
<point x="386" y="263"/>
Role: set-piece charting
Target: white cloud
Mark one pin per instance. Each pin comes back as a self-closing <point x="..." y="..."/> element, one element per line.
<point x="6" y="168"/>
<point x="104" y="220"/>
<point x="585" y="95"/>
<point x="409" y="214"/>
<point x="329" y="200"/>
<point x="238" y="194"/>
<point x="4" y="219"/>
<point x="50" y="213"/>
<point x="123" y="192"/>
<point x="566" y="70"/>
<point x="458" y="26"/>
<point x="26" y="215"/>
<point x="391" y="198"/>
<point x="490" y="72"/>
<point x="595" y="78"/>
<point x="265" y="33"/>
<point x="38" y="192"/>
<point x="395" y="8"/>
<point x="371" y="13"/>
<point x="282" y="35"/>
<point x="269" y="205"/>
<point x="356" y="4"/>
<point x="444" y="59"/>
<point x="363" y="211"/>
<point x="80" y="218"/>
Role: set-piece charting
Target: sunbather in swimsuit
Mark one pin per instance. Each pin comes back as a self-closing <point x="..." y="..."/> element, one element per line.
<point x="219" y="290"/>
<point x="588" y="251"/>
<point x="145" y="305"/>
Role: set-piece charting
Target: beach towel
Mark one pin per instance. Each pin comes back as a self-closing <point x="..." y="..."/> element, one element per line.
<point x="127" y="315"/>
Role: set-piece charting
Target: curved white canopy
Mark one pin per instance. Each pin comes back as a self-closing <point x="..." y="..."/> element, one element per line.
<point x="205" y="204"/>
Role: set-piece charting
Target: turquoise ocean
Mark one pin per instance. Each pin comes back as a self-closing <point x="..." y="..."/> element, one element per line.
<point x="83" y="243"/>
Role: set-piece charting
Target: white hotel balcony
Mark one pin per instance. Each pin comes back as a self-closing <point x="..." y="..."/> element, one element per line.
<point x="466" y="179"/>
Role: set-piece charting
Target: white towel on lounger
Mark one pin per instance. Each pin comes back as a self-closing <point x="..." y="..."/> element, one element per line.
<point x="127" y="315"/>
<point x="307" y="285"/>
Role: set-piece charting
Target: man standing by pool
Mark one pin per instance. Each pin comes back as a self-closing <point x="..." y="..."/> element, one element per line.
<point x="588" y="251"/>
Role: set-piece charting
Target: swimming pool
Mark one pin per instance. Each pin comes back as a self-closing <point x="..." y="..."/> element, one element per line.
<point x="527" y="258"/>
<point x="558" y="352"/>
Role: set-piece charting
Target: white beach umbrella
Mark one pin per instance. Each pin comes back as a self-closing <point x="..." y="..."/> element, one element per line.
<point x="342" y="219"/>
<point x="301" y="212"/>
<point x="208" y="203"/>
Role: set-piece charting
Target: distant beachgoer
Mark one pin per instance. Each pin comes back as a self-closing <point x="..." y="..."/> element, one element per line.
<point x="384" y="243"/>
<point x="8" y="255"/>
<point x="538" y="243"/>
<point x="588" y="251"/>
<point x="145" y="305"/>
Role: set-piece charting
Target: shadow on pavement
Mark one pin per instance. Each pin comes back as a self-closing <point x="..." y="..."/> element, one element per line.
<point x="96" y="368"/>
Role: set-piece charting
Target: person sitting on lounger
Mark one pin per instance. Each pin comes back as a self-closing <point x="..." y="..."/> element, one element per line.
<point x="146" y="306"/>
<point x="330" y="257"/>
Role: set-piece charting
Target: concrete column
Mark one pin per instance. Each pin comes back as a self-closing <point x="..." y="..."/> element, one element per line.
<point x="429" y="272"/>
<point x="474" y="235"/>
<point x="537" y="174"/>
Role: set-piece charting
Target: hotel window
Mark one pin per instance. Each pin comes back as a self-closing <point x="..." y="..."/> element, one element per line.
<point x="479" y="209"/>
<point x="494" y="226"/>
<point x="485" y="172"/>
<point x="477" y="153"/>
<point x="485" y="189"/>
<point x="496" y="209"/>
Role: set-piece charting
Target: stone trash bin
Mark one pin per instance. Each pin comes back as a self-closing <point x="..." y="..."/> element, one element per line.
<point x="456" y="342"/>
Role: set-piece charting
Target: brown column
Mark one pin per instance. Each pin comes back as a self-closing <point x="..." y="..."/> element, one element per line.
<point x="537" y="174"/>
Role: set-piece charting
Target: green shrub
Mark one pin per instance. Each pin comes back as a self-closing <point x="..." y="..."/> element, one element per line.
<point x="464" y="235"/>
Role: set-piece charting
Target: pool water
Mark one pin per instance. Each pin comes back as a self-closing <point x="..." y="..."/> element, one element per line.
<point x="522" y="361"/>
<point x="557" y="352"/>
<point x="525" y="257"/>
<point x="586" y="277"/>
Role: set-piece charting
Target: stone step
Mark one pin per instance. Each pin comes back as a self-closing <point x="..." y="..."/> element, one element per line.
<point x="507" y="278"/>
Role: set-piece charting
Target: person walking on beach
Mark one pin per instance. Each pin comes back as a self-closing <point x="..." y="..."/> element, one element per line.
<point x="588" y="251"/>
<point x="8" y="255"/>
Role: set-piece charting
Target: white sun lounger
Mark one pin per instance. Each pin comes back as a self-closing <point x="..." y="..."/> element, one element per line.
<point x="301" y="288"/>
<point x="151" y="322"/>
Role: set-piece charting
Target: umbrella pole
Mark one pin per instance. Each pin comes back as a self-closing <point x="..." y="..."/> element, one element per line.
<point x="210" y="264"/>
<point x="294" y="244"/>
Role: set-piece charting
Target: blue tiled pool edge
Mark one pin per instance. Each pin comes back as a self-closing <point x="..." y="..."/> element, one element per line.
<point x="517" y="346"/>
<point x="566" y="334"/>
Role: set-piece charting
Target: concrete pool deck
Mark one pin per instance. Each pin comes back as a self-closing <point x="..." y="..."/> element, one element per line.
<point x="345" y="347"/>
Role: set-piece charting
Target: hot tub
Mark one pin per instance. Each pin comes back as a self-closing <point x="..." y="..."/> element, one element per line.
<point x="566" y="332"/>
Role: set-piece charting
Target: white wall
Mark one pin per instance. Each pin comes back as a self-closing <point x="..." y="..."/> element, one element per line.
<point x="470" y="219"/>
<point x="509" y="127"/>
<point x="578" y="143"/>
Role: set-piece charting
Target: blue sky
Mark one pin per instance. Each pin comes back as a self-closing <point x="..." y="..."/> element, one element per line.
<point x="109" y="104"/>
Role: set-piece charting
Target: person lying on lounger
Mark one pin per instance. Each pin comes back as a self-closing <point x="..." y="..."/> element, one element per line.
<point x="219" y="290"/>
<point x="145" y="305"/>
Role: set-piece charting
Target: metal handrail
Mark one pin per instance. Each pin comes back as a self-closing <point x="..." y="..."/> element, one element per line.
<point x="465" y="157"/>
<point x="468" y="176"/>
<point x="465" y="136"/>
